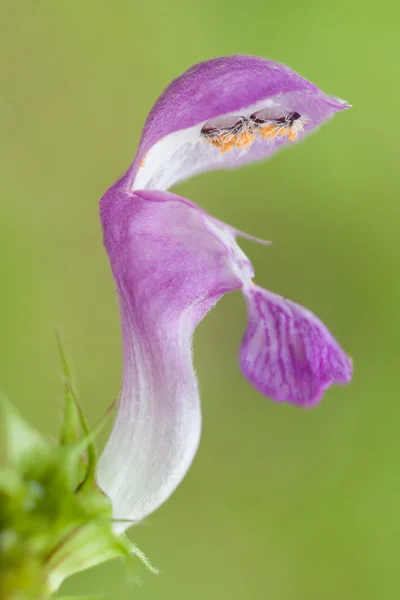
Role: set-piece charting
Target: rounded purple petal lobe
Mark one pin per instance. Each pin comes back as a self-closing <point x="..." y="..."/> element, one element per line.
<point x="202" y="121"/>
<point x="287" y="353"/>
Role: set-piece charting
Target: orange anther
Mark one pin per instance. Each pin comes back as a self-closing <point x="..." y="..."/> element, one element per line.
<point x="269" y="131"/>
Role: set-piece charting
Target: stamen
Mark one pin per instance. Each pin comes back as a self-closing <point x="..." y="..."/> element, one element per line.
<point x="226" y="123"/>
<point x="228" y="132"/>
<point x="269" y="127"/>
<point x="289" y="119"/>
<point x="233" y="131"/>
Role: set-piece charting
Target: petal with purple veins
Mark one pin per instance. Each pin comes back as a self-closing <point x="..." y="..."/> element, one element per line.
<point x="287" y="353"/>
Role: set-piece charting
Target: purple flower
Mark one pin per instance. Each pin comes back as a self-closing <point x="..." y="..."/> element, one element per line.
<point x="172" y="262"/>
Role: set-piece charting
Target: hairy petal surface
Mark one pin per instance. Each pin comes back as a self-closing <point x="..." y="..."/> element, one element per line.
<point x="287" y="353"/>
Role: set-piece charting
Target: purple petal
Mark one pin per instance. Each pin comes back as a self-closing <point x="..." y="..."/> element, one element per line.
<point x="222" y="90"/>
<point x="171" y="264"/>
<point x="287" y="353"/>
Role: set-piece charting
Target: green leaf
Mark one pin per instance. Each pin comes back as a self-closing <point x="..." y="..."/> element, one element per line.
<point x="70" y="427"/>
<point x="87" y="443"/>
<point x="87" y="546"/>
<point x="136" y="551"/>
<point x="24" y="443"/>
<point x="54" y="519"/>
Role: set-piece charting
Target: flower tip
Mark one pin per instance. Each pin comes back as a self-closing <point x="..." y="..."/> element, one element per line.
<point x="348" y="370"/>
<point x="343" y="103"/>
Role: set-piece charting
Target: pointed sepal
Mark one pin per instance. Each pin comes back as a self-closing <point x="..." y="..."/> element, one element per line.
<point x="24" y="444"/>
<point x="54" y="518"/>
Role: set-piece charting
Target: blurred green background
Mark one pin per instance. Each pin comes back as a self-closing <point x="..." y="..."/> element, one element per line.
<point x="280" y="503"/>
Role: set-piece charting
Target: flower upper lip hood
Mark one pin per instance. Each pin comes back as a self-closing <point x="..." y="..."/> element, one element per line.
<point x="172" y="261"/>
<point x="227" y="85"/>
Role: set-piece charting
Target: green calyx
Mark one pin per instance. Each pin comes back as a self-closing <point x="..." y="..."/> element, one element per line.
<point x="54" y="519"/>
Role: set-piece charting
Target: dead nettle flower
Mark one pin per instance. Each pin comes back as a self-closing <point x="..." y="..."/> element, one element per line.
<point x="172" y="262"/>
